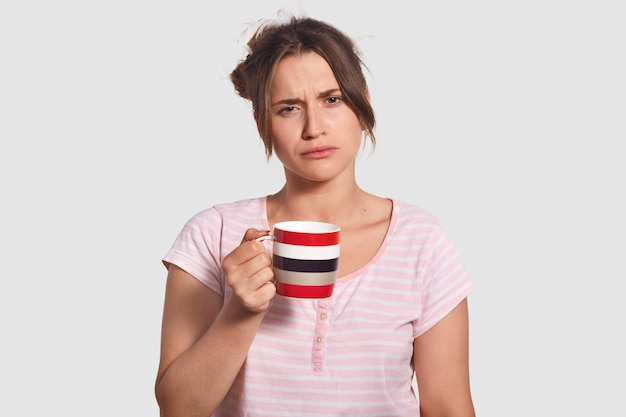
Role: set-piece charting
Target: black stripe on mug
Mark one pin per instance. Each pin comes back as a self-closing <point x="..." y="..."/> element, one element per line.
<point x="305" y="265"/>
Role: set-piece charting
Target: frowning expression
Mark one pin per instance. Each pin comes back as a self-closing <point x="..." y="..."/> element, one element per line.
<point x="315" y="133"/>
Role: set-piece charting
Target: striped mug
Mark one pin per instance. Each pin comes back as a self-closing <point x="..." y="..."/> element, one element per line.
<point x="305" y="258"/>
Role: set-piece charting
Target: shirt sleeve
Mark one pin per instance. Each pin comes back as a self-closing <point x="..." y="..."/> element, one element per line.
<point x="196" y="249"/>
<point x="445" y="282"/>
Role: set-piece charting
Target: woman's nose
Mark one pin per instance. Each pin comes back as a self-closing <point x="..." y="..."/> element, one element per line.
<point x="313" y="125"/>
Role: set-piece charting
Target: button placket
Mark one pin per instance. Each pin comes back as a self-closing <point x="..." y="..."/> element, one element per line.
<point x="321" y="329"/>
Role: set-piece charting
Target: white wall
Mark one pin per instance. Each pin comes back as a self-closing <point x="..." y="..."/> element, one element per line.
<point x="506" y="119"/>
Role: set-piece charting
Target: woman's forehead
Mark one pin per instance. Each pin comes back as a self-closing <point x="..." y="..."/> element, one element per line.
<point x="307" y="71"/>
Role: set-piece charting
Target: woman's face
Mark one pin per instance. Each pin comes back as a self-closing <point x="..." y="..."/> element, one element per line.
<point x="315" y="134"/>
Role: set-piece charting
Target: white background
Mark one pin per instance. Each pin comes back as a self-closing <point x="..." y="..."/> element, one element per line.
<point x="506" y="119"/>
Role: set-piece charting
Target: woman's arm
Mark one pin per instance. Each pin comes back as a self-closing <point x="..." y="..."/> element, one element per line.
<point x="441" y="359"/>
<point x="205" y="340"/>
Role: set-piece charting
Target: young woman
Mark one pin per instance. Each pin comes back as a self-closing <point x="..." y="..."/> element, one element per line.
<point x="232" y="347"/>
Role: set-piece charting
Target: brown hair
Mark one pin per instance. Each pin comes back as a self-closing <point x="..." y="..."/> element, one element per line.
<point x="253" y="76"/>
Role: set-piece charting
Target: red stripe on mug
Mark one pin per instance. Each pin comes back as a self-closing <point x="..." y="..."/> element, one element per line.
<point x="306" y="239"/>
<point x="304" y="291"/>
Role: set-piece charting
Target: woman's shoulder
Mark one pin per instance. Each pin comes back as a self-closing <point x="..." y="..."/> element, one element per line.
<point x="405" y="212"/>
<point x="238" y="210"/>
<point x="238" y="206"/>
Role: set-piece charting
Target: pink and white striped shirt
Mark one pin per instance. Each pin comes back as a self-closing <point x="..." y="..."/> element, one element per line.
<point x="350" y="354"/>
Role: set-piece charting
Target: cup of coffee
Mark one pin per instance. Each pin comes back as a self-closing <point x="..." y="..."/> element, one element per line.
<point x="305" y="258"/>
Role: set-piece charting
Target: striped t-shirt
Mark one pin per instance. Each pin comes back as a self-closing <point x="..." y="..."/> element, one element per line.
<point x="350" y="354"/>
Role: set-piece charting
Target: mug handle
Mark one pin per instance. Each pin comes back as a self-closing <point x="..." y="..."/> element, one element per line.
<point x="268" y="236"/>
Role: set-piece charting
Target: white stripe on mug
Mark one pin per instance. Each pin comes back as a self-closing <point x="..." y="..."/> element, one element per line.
<point x="306" y="252"/>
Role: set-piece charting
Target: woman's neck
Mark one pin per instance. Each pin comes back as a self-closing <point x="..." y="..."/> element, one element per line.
<point x="339" y="205"/>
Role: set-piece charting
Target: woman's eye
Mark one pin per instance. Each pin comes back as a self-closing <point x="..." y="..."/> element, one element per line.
<point x="333" y="100"/>
<point x="287" y="109"/>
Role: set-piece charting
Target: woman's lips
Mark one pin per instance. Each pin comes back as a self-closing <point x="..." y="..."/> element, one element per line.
<point x="319" y="152"/>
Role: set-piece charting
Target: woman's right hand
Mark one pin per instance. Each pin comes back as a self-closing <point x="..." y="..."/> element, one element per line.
<point x="249" y="273"/>
<point x="205" y="339"/>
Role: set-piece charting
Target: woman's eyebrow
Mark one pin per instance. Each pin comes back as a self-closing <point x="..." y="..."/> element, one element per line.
<point x="287" y="101"/>
<point x="326" y="93"/>
<point x="330" y="92"/>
